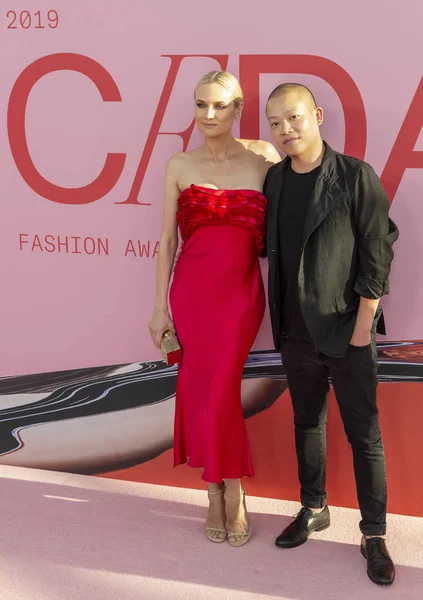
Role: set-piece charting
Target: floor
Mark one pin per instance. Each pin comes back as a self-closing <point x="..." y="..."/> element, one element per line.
<point x="72" y="537"/>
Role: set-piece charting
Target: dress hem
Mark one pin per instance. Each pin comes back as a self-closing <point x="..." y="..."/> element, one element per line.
<point x="209" y="480"/>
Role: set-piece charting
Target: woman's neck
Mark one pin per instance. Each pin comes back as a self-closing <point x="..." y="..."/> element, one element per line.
<point x="221" y="147"/>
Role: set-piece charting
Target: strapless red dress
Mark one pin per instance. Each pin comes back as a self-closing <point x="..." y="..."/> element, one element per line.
<point x="217" y="301"/>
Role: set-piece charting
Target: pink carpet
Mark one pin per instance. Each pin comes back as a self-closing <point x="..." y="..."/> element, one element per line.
<point x="71" y="537"/>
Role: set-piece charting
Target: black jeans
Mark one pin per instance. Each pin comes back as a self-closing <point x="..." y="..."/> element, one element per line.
<point x="354" y="379"/>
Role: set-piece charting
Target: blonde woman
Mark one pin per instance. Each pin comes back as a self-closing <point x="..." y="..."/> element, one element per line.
<point x="214" y="194"/>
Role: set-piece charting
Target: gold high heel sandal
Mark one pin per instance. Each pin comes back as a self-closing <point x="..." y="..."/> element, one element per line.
<point x="215" y="530"/>
<point x="239" y="539"/>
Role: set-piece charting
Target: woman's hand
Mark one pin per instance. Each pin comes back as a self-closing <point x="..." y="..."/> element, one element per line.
<point x="159" y="323"/>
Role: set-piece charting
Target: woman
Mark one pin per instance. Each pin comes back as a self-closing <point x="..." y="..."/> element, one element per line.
<point x="214" y="194"/>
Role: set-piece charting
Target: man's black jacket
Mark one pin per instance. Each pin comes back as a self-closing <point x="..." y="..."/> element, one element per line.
<point x="346" y="249"/>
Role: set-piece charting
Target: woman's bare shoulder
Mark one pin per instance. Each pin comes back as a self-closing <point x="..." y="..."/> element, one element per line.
<point x="183" y="159"/>
<point x="178" y="160"/>
<point x="264" y="150"/>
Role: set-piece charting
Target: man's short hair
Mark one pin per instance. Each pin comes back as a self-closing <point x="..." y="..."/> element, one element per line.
<point x="283" y="88"/>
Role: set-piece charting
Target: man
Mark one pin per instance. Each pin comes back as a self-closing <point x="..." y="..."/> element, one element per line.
<point x="329" y="245"/>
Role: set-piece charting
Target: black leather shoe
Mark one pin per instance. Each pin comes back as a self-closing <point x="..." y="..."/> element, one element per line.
<point x="380" y="567"/>
<point x="304" y="523"/>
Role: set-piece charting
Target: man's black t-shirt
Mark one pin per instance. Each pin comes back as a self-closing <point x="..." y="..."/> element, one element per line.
<point x="296" y="194"/>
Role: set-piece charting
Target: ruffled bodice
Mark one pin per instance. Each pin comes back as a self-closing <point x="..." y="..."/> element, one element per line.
<point x="199" y="206"/>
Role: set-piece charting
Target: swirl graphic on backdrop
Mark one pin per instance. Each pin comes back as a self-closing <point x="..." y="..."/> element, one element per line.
<point x="92" y="392"/>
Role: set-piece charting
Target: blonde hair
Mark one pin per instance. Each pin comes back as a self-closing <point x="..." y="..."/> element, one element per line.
<point x="226" y="80"/>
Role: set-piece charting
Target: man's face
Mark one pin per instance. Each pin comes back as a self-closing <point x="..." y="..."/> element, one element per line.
<point x="294" y="122"/>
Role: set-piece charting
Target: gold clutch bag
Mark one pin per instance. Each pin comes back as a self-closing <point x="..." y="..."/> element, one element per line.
<point x="171" y="349"/>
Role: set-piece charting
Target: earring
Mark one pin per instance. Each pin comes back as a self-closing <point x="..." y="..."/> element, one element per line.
<point x="238" y="117"/>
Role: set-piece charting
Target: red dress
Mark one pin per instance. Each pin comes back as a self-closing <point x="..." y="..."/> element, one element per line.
<point x="217" y="301"/>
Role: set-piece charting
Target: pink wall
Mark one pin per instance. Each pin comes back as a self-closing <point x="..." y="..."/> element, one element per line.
<point x="66" y="310"/>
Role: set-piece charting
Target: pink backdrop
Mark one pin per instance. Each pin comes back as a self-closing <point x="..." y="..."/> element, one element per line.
<point x="62" y="310"/>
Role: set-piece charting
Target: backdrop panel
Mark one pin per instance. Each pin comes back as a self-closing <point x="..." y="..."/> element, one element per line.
<point x="95" y="98"/>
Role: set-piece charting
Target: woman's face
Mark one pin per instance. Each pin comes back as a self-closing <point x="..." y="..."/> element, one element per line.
<point x="215" y="110"/>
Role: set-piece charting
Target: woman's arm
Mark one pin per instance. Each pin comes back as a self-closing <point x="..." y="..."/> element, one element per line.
<point x="160" y="320"/>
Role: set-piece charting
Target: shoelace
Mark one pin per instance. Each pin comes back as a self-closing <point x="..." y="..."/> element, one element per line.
<point x="300" y="512"/>
<point x="377" y="546"/>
